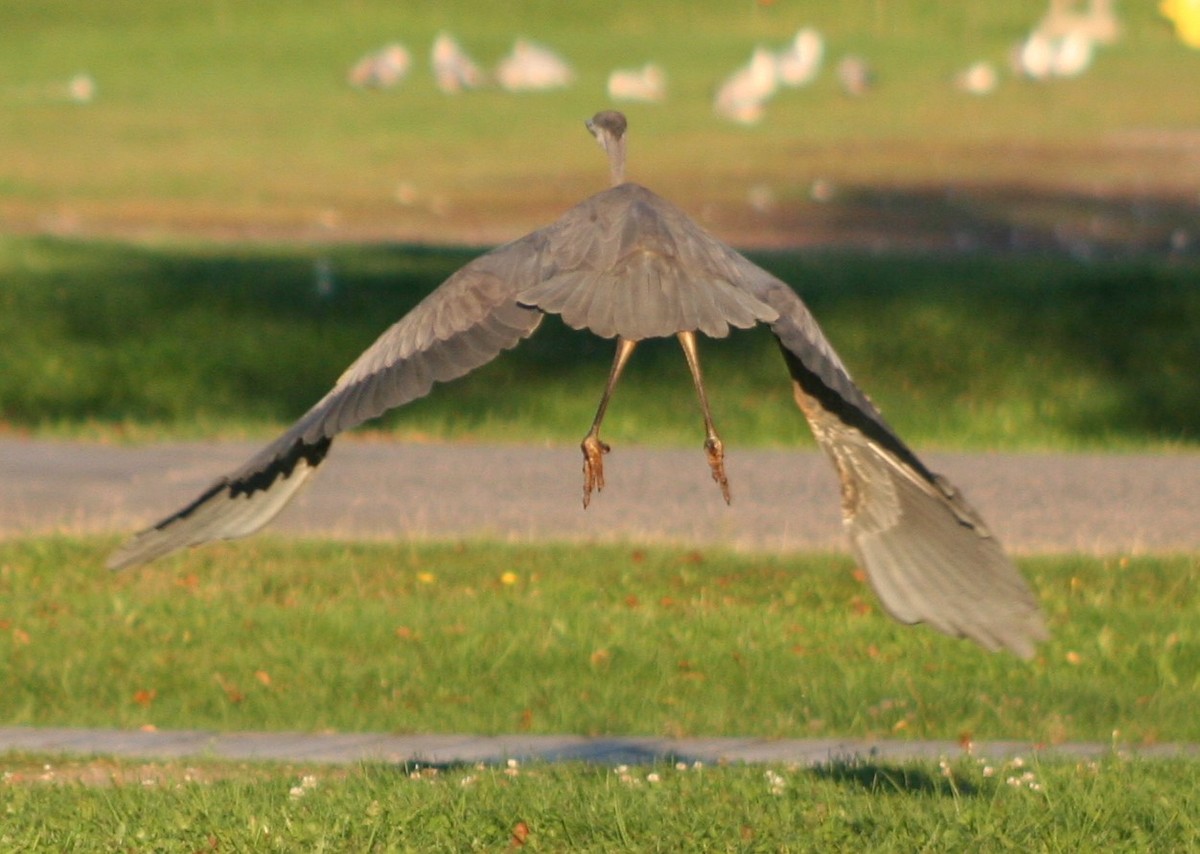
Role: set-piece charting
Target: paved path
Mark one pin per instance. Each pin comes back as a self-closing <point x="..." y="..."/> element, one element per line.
<point x="785" y="500"/>
<point x="345" y="748"/>
<point x="782" y="500"/>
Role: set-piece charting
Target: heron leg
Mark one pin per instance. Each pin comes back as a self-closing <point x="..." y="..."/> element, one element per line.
<point x="713" y="446"/>
<point x="593" y="449"/>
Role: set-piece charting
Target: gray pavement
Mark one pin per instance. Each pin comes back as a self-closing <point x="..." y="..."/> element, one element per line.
<point x="783" y="500"/>
<point x="348" y="748"/>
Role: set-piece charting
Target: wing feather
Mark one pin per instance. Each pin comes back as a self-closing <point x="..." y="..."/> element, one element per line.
<point x="466" y="322"/>
<point x="927" y="552"/>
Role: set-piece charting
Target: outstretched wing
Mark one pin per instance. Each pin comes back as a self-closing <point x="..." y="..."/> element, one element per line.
<point x="928" y="554"/>
<point x="466" y="322"/>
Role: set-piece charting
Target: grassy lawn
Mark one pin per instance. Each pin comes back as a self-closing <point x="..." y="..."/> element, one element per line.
<point x="219" y="125"/>
<point x="112" y="341"/>
<point x="484" y="638"/>
<point x="231" y="224"/>
<point x="233" y="119"/>
<point x="488" y="638"/>
<point x="1112" y="804"/>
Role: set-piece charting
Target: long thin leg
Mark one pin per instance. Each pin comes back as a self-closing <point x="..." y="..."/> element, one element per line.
<point x="713" y="445"/>
<point x="593" y="449"/>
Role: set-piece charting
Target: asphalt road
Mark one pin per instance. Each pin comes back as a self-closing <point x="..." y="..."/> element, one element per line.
<point x="782" y="500"/>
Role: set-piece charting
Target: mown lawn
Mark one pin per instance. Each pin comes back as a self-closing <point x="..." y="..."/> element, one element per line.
<point x="1110" y="804"/>
<point x="111" y="341"/>
<point x="234" y="119"/>
<point x="487" y="638"/>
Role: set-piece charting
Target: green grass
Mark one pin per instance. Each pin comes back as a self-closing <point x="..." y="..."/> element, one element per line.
<point x="1111" y="805"/>
<point x="599" y="640"/>
<point x="104" y="340"/>
<point x="219" y="121"/>
<point x="228" y="118"/>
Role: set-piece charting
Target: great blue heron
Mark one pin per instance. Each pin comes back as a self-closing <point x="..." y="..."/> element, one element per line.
<point x="629" y="265"/>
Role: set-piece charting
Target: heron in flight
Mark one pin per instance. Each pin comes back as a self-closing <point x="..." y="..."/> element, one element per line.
<point x="629" y="265"/>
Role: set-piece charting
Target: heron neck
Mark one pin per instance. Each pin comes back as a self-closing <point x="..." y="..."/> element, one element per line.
<point x="616" y="162"/>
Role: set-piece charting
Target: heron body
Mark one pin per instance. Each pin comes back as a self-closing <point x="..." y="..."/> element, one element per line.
<point x="628" y="264"/>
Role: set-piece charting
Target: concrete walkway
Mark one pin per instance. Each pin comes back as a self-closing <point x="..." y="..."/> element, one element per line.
<point x="348" y="748"/>
<point x="783" y="500"/>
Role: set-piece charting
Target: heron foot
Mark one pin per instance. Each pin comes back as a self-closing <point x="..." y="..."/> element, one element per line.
<point x="593" y="465"/>
<point x="715" y="449"/>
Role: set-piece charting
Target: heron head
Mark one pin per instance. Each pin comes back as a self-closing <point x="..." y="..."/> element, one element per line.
<point x="608" y="127"/>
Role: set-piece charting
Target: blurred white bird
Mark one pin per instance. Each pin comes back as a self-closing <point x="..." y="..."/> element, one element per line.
<point x="453" y="69"/>
<point x="979" y="78"/>
<point x="744" y="94"/>
<point x="533" y="67"/>
<point x="798" y="63"/>
<point x="1072" y="55"/>
<point x="382" y="69"/>
<point x="81" y="88"/>
<point x="1064" y="40"/>
<point x="855" y="75"/>
<point x="1034" y="57"/>
<point x="1098" y="23"/>
<point x="648" y="83"/>
<point x="1041" y="57"/>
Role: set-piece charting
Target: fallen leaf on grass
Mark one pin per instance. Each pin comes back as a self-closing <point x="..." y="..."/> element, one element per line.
<point x="520" y="835"/>
<point x="232" y="693"/>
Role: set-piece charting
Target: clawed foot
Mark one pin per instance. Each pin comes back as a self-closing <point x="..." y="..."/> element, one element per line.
<point x="593" y="466"/>
<point x="715" y="450"/>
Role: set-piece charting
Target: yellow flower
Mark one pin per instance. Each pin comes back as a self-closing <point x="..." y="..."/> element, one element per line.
<point x="509" y="578"/>
<point x="426" y="577"/>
